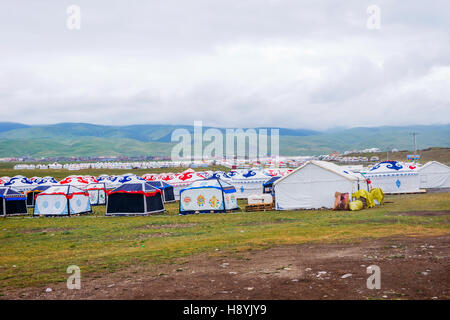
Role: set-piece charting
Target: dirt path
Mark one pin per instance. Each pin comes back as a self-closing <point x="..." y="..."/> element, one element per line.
<point x="411" y="268"/>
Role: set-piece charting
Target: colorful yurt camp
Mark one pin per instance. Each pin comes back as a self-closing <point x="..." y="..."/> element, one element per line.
<point x="394" y="177"/>
<point x="248" y="182"/>
<point x="268" y="186"/>
<point x="62" y="201"/>
<point x="20" y="184"/>
<point x="134" y="199"/>
<point x="314" y="185"/>
<point x="209" y="195"/>
<point x="97" y="193"/>
<point x="166" y="188"/>
<point x="434" y="175"/>
<point x="12" y="202"/>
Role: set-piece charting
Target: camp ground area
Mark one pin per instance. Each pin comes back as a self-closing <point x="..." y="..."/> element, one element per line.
<point x="284" y="254"/>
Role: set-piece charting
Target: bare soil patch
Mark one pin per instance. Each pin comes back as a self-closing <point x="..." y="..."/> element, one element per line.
<point x="167" y="226"/>
<point x="411" y="268"/>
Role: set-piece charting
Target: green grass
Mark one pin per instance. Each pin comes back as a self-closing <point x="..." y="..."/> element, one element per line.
<point x="37" y="251"/>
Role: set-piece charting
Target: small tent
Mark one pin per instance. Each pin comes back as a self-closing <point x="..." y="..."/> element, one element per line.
<point x="134" y="199"/>
<point x="166" y="188"/>
<point x="313" y="186"/>
<point x="394" y="177"/>
<point x="63" y="200"/>
<point x="434" y="175"/>
<point x="209" y="195"/>
<point x="97" y="193"/>
<point x="268" y="186"/>
<point x="12" y="202"/>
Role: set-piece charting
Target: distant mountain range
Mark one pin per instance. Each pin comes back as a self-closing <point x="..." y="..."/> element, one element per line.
<point x="83" y="139"/>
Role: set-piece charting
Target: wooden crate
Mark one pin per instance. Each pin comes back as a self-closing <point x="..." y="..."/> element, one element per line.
<point x="259" y="207"/>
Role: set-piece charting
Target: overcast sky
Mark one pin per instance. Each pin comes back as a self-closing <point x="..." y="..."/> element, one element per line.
<point x="287" y="63"/>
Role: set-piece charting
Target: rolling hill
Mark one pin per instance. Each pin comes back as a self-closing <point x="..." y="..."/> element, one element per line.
<point x="83" y="139"/>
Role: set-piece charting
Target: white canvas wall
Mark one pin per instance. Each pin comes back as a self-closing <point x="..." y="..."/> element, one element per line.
<point x="434" y="175"/>
<point x="311" y="187"/>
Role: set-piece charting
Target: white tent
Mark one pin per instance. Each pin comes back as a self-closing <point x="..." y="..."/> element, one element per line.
<point x="248" y="182"/>
<point x="313" y="186"/>
<point x="62" y="201"/>
<point x="394" y="177"/>
<point x="434" y="175"/>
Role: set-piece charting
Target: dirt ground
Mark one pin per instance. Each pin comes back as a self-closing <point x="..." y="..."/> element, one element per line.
<point x="411" y="268"/>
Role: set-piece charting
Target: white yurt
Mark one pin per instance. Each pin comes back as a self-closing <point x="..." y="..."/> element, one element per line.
<point x="434" y="175"/>
<point x="394" y="177"/>
<point x="313" y="186"/>
<point x="248" y="182"/>
<point x="62" y="201"/>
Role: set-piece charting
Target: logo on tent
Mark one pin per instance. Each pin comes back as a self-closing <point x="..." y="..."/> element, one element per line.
<point x="398" y="183"/>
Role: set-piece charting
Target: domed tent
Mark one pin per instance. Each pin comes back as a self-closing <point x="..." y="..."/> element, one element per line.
<point x="249" y="182"/>
<point x="137" y="198"/>
<point x="97" y="193"/>
<point x="41" y="185"/>
<point x="394" y="177"/>
<point x="166" y="188"/>
<point x="62" y="201"/>
<point x="434" y="175"/>
<point x="209" y="195"/>
<point x="12" y="202"/>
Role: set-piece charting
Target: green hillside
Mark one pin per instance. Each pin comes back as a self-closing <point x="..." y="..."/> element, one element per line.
<point x="80" y="139"/>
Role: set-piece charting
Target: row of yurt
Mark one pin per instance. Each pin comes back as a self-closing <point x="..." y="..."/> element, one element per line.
<point x="208" y="195"/>
<point x="313" y="186"/>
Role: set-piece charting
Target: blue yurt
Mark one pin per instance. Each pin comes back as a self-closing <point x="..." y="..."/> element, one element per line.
<point x="137" y="198"/>
<point x="12" y="202"/>
<point x="209" y="195"/>
<point x="167" y="189"/>
<point x="268" y="186"/>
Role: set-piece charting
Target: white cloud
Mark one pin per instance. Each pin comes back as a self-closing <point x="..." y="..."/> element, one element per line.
<point x="240" y="63"/>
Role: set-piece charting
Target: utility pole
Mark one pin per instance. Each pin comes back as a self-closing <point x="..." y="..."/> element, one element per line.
<point x="415" y="149"/>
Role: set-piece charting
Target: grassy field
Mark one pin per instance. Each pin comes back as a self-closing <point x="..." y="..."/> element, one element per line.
<point x="37" y="251"/>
